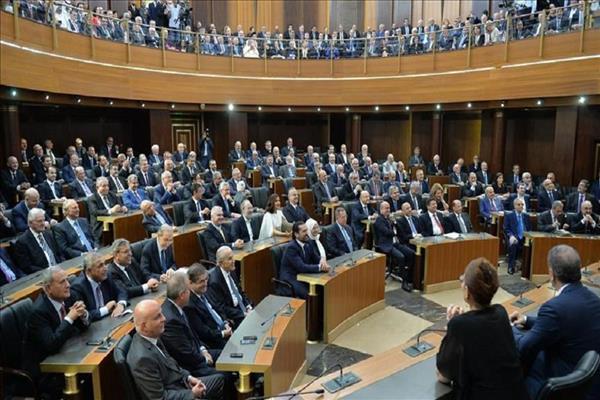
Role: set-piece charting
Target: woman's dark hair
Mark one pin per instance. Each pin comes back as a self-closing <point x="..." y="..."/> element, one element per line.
<point x="270" y="208"/>
<point x="498" y="175"/>
<point x="482" y="280"/>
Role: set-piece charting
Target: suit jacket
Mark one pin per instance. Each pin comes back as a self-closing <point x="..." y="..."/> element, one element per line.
<point x="482" y="175"/>
<point x="132" y="202"/>
<point x="403" y="228"/>
<point x="573" y="199"/>
<point x="375" y="191"/>
<point x="394" y="205"/>
<point x="485" y="207"/>
<point x="295" y="261"/>
<point x="383" y="230"/>
<point x="544" y="201"/>
<point x="202" y="322"/>
<point x="205" y="146"/>
<point x="96" y="208"/>
<point x="99" y="171"/>
<point x="456" y="179"/>
<point x="265" y="172"/>
<point x="578" y="227"/>
<point x="9" y="185"/>
<point x="190" y="211"/>
<point x="454" y="226"/>
<point x="68" y="173"/>
<point x="253" y="164"/>
<point x="433" y="169"/>
<point x="286" y="150"/>
<point x="239" y="230"/>
<point x="81" y="289"/>
<point x="231" y="206"/>
<point x="357" y="214"/>
<point x="130" y="283"/>
<point x="150" y="181"/>
<point x="511" y="224"/>
<point x="46" y="193"/>
<point x="329" y="169"/>
<point x="156" y="376"/>
<point x="472" y="192"/>
<point x="417" y="198"/>
<point x="545" y="221"/>
<point x="337" y="180"/>
<point x="295" y="214"/>
<point x="150" y="262"/>
<point x="509" y="202"/>
<point x="180" y="157"/>
<point x="595" y="189"/>
<point x="37" y="168"/>
<point x="426" y="225"/>
<point x="219" y="294"/>
<point x="320" y="192"/>
<point x="335" y="244"/>
<point x="109" y="153"/>
<point x="161" y="196"/>
<point x="11" y="265"/>
<point x="45" y="333"/>
<point x="88" y="163"/>
<point x="19" y="215"/>
<point x="214" y="240"/>
<point x="30" y="256"/>
<point x="565" y="327"/>
<point x="77" y="191"/>
<point x="187" y="175"/>
<point x="67" y="239"/>
<point x="347" y="193"/>
<point x="234" y="156"/>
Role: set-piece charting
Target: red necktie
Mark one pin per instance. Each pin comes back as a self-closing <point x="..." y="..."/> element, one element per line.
<point x="438" y="223"/>
<point x="63" y="312"/>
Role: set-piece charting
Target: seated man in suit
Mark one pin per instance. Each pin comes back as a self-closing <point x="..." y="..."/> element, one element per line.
<point x="340" y="239"/>
<point x="385" y="232"/>
<point x="212" y="186"/>
<point x="367" y="169"/>
<point x="432" y="221"/>
<point x="530" y="188"/>
<point x="300" y="258"/>
<point x="206" y="321"/>
<point x="36" y="249"/>
<point x="547" y="196"/>
<point x="330" y="166"/>
<point x="515" y="177"/>
<point x="521" y="194"/>
<point x="323" y="190"/>
<point x="237" y="154"/>
<point x="155" y="373"/>
<point x="89" y="159"/>
<point x="181" y="155"/>
<point x="50" y="189"/>
<point x="179" y="339"/>
<point x="20" y="211"/>
<point x="515" y="226"/>
<point x="103" y="167"/>
<point x="116" y="184"/>
<point x="68" y="171"/>
<point x="238" y="187"/>
<point x="218" y="234"/>
<point x="13" y="180"/>
<point x="196" y="209"/>
<point x="103" y="202"/>
<point x="338" y="178"/>
<point x="190" y="169"/>
<point x="457" y="220"/>
<point x="166" y="191"/>
<point x="97" y="290"/>
<point x="351" y="190"/>
<point x="294" y="212"/>
<point x="146" y="177"/>
<point x="73" y="234"/>
<point x="126" y="272"/>
<point x="408" y="225"/>
<point x="483" y="175"/>
<point x="553" y="219"/>
<point x="9" y="272"/>
<point x="157" y="256"/>
<point x="393" y="198"/>
<point x="154" y="216"/>
<point x="226" y="202"/>
<point x="224" y="289"/>
<point x="36" y="165"/>
<point x="457" y="177"/>
<point x="154" y="158"/>
<point x="243" y="228"/>
<point x="134" y="195"/>
<point x="360" y="212"/>
<point x="576" y="199"/>
<point x="489" y="204"/>
<point x="82" y="186"/>
<point x="254" y="161"/>
<point x="435" y="166"/>
<point x="586" y="221"/>
<point x="413" y="197"/>
<point x="269" y="170"/>
<point x="375" y="186"/>
<point x="54" y="319"/>
<point x="472" y="188"/>
<point x="565" y="328"/>
<point x="421" y="180"/>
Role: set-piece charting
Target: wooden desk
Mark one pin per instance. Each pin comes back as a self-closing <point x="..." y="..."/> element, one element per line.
<point x="453" y="192"/>
<point x="538" y="244"/>
<point x="241" y="165"/>
<point x="57" y="212"/>
<point x="472" y="205"/>
<point x="127" y="226"/>
<point x="280" y="365"/>
<point x="186" y="249"/>
<point x="440" y="261"/>
<point x="255" y="177"/>
<point x="301" y="172"/>
<point x="277" y="185"/>
<point x="337" y="302"/>
<point x="442" y="180"/>
<point x="328" y="208"/>
<point x="306" y="198"/>
<point x="255" y="266"/>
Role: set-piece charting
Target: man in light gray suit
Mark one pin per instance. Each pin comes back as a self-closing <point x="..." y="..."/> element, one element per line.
<point x="156" y="374"/>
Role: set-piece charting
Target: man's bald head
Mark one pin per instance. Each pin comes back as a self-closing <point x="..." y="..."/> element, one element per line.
<point x="148" y="318"/>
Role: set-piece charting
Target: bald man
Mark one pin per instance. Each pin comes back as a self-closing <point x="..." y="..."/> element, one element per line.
<point x="155" y="373"/>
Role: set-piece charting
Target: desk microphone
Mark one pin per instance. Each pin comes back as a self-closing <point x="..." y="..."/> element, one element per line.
<point x="108" y="340"/>
<point x="342" y="381"/>
<point x="270" y="340"/>
<point x="317" y="391"/>
<point x="523" y="301"/>
<point x="421" y="347"/>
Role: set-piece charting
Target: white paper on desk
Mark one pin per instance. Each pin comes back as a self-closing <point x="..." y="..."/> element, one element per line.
<point x="452" y="235"/>
<point x="126" y="312"/>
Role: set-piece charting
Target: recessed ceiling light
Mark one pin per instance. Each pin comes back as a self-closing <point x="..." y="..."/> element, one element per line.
<point x="289" y="108"/>
<point x="502" y="104"/>
<point x="143" y="104"/>
<point x="319" y="109"/>
<point x="172" y="105"/>
<point x="230" y="107"/>
<point x="347" y="109"/>
<point x="259" y="108"/>
<point x="539" y="102"/>
<point x="407" y="108"/>
<point x="469" y="105"/>
<point x="582" y="100"/>
<point x="111" y="102"/>
<point x="47" y="97"/>
<point x="13" y="93"/>
<point x="79" y="100"/>
<point x="376" y="108"/>
<point x="438" y="106"/>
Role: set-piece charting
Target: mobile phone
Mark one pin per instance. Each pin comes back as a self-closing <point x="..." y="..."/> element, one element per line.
<point x="247" y="341"/>
<point x="236" y="355"/>
<point x="250" y="338"/>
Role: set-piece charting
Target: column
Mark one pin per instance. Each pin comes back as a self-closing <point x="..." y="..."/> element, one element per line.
<point x="436" y="135"/>
<point x="356" y="139"/>
<point x="565" y="133"/>
<point x="9" y="130"/>
<point x="498" y="143"/>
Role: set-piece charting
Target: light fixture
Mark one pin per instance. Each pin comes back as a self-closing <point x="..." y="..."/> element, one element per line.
<point x="502" y="104"/>
<point x="469" y="105"/>
<point x="438" y="106"/>
<point x="143" y="104"/>
<point x="582" y="100"/>
<point x="47" y="97"/>
<point x="347" y="109"/>
<point x="172" y="105"/>
<point x="539" y="102"/>
<point x="13" y="92"/>
<point x="230" y="107"/>
<point x="319" y="109"/>
<point x="78" y="100"/>
<point x="259" y="108"/>
<point x="289" y="108"/>
<point x="376" y="108"/>
<point x="111" y="102"/>
<point x="407" y="108"/>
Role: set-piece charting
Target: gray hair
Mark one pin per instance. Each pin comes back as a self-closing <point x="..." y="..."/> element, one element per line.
<point x="223" y="185"/>
<point x="101" y="180"/>
<point x="89" y="260"/>
<point x="34" y="213"/>
<point x="118" y="244"/>
<point x="177" y="284"/>
<point x="556" y="204"/>
<point x="132" y="178"/>
<point x="32" y="192"/>
<point x="220" y="255"/>
<point x="164" y="228"/>
<point x="565" y="263"/>
<point x="48" y="275"/>
<point x="216" y="175"/>
<point x="165" y="174"/>
<point x="67" y="204"/>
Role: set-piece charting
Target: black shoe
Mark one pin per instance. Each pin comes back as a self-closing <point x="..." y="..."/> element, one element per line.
<point x="407" y="286"/>
<point x="511" y="271"/>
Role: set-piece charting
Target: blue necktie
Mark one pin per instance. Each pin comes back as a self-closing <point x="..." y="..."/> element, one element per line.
<point x="212" y="312"/>
<point x="327" y="191"/>
<point x="8" y="273"/>
<point x="163" y="260"/>
<point x="520" y="226"/>
<point x="412" y="227"/>
<point x="82" y="238"/>
<point x="226" y="206"/>
<point x="347" y="239"/>
<point x="160" y="218"/>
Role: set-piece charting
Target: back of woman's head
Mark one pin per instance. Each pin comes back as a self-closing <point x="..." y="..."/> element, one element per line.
<point x="481" y="278"/>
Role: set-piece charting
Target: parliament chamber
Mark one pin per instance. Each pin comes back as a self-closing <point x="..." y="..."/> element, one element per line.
<point x="300" y="199"/>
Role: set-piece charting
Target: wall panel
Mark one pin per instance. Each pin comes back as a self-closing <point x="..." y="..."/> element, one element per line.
<point x="588" y="137"/>
<point x="461" y="136"/>
<point x="278" y="127"/>
<point x="346" y="12"/>
<point x="422" y="129"/>
<point x="385" y="134"/>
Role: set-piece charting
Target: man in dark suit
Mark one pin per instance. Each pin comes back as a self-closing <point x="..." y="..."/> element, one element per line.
<point x="157" y="256"/>
<point x="457" y="177"/>
<point x="21" y="210"/>
<point x="285" y="150"/>
<point x="483" y="175"/>
<point x="109" y="149"/>
<point x="553" y="219"/>
<point x="330" y="167"/>
<point x="226" y="202"/>
<point x="375" y="186"/>
<point x="154" y="216"/>
<point x="408" y="225"/>
<point x="155" y="373"/>
<point x="515" y="226"/>
<point x="350" y="191"/>
<point x="243" y="228"/>
<point x="515" y="177"/>
<point x="435" y="166"/>
<point x="385" y="233"/>
<point x="224" y="290"/>
<point x="358" y="213"/>
<point x="90" y="159"/>
<point x="12" y="180"/>
<point x="236" y="154"/>
<point x="190" y="169"/>
<point x="82" y="186"/>
<point x="181" y="154"/>
<point x="54" y="319"/>
<point x="218" y="234"/>
<point x="338" y="178"/>
<point x="521" y="194"/>
<point x="103" y="167"/>
<point x="576" y="199"/>
<point x="323" y="190"/>
<point x="116" y="184"/>
<point x="126" y="272"/>
<point x="300" y="258"/>
<point x="547" y="196"/>
<point x="211" y="327"/>
<point x="146" y="177"/>
<point x="73" y="234"/>
<point x="458" y="221"/>
<point x="414" y="197"/>
<point x="36" y="249"/>
<point x="294" y="212"/>
<point x="50" y="189"/>
<point x="340" y="238"/>
<point x="9" y="272"/>
<point x="196" y="209"/>
<point x="166" y="191"/>
<point x="393" y="198"/>
<point x="36" y="164"/>
<point x="432" y="221"/>
<point x="103" y="202"/>
<point x="586" y="221"/>
<point x="97" y="290"/>
<point x="205" y="149"/>
<point x="269" y="170"/>
<point x="565" y="328"/>
<point x="472" y="188"/>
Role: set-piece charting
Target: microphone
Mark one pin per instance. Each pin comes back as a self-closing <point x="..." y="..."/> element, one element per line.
<point x="270" y="340"/>
<point x="421" y="347"/>
<point x="523" y="301"/>
<point x="342" y="381"/>
<point x="317" y="391"/>
<point x="108" y="340"/>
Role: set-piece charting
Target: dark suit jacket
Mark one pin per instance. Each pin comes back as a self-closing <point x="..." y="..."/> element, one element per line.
<point x="235" y="156"/>
<point x="110" y="153"/>
<point x="265" y="172"/>
<point x="67" y="173"/>
<point x="19" y="215"/>
<point x="132" y="285"/>
<point x="394" y="206"/>
<point x="545" y="221"/>
<point x="403" y="228"/>
<point x="427" y="227"/>
<point x="37" y="168"/>
<point x="407" y="198"/>
<point x="203" y="324"/>
<point x="180" y="157"/>
<point x="81" y="289"/>
<point x="432" y="169"/>
<point x="454" y="226"/>
<point x="456" y="179"/>
<point x="336" y="244"/>
<point x="347" y="193"/>
<point x="481" y="179"/>
<point x="7" y="260"/>
<point x="468" y="192"/>
<point x="573" y="199"/>
<point x="152" y="224"/>
<point x="112" y="186"/>
<point x="544" y="202"/>
<point x="68" y="241"/>
<point x="99" y="171"/>
<point x="96" y="208"/>
<point x="509" y="202"/>
<point x="511" y="224"/>
<point x="485" y="208"/>
<point x="151" y="181"/>
<point x="578" y="227"/>
<point x="150" y="262"/>
<point x="239" y="230"/>
<point x="46" y="193"/>
<point x="187" y="175"/>
<point x="77" y="191"/>
<point x="45" y="333"/>
<point x="214" y="240"/>
<point x="190" y="211"/>
<point x="320" y="193"/>
<point x="295" y="261"/>
<point x="219" y="294"/>
<point x="357" y="214"/>
<point x="565" y="327"/>
<point x="209" y="149"/>
<point x="30" y="256"/>
<point x="297" y="214"/>
<point x="161" y="196"/>
<point x="232" y="207"/>
<point x="384" y="232"/>
<point x="9" y="185"/>
<point x="88" y="163"/>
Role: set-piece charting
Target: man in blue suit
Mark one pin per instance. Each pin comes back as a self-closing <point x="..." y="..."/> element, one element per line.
<point x="8" y="270"/>
<point x="133" y="196"/>
<point x="566" y="327"/>
<point x="68" y="171"/>
<point x="340" y="238"/>
<point x="73" y="234"/>
<point x="21" y="210"/>
<point x="489" y="203"/>
<point x="166" y="191"/>
<point x="515" y="226"/>
<point x="300" y="258"/>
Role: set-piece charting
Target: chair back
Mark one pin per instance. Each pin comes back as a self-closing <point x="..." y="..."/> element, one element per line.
<point x="260" y="195"/>
<point x="13" y="321"/>
<point x="120" y="357"/>
<point x="325" y="231"/>
<point x="202" y="242"/>
<point x="137" y="248"/>
<point x="573" y="386"/>
<point x="178" y="214"/>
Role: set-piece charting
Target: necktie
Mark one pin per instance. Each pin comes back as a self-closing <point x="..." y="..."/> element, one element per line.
<point x="51" y="184"/>
<point x="137" y="196"/>
<point x="520" y="226"/>
<point x="215" y="316"/>
<point x="347" y="239"/>
<point x="85" y="188"/>
<point x="82" y="238"/>
<point x="222" y="233"/>
<point x="493" y="205"/>
<point x="226" y="206"/>
<point x="145" y="179"/>
<point x="63" y="312"/>
<point x="580" y="202"/>
<point x="118" y="184"/>
<point x="160" y="218"/>
<point x="366" y="210"/>
<point x="47" y="250"/>
<point x="99" y="297"/>
<point x="8" y="273"/>
<point x="463" y="227"/>
<point x="13" y="174"/>
<point x="236" y="293"/>
<point x="437" y="221"/>
<point x="327" y="191"/>
<point x="161" y="349"/>
<point x="105" y="202"/>
<point x="551" y="197"/>
<point x="485" y="178"/>
<point x="414" y="200"/>
<point x="163" y="260"/>
<point x="412" y="226"/>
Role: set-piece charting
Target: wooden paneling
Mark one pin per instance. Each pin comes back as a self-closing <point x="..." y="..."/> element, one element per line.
<point x="160" y="129"/>
<point x="347" y="13"/>
<point x="422" y="123"/>
<point x="238" y="129"/>
<point x="432" y="9"/>
<point x="588" y="137"/>
<point x="387" y="134"/>
<point x="565" y="132"/>
<point x="461" y="136"/>
<point x="485" y="140"/>
<point x="304" y="129"/>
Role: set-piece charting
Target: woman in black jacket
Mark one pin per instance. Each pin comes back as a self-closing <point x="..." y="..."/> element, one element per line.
<point x="478" y="354"/>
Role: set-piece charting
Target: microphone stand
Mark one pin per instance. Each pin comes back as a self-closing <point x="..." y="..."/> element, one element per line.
<point x="317" y="391"/>
<point x="108" y="340"/>
<point x="269" y="343"/>
<point x="523" y="301"/>
<point x="421" y="347"/>
<point x="342" y="381"/>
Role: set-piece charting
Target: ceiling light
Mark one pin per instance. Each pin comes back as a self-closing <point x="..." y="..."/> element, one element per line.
<point x="111" y="102"/>
<point x="438" y="106"/>
<point x="78" y="100"/>
<point x="13" y="93"/>
<point x="539" y="102"/>
<point x="502" y="104"/>
<point x="376" y="108"/>
<point x="143" y="104"/>
<point x="582" y="100"/>
<point x="230" y="107"/>
<point x="319" y="109"/>
<point x="347" y="109"/>
<point x="469" y="105"/>
<point x="289" y="108"/>
<point x="407" y="108"/>
<point x="172" y="105"/>
<point x="259" y="108"/>
<point x="47" y="97"/>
